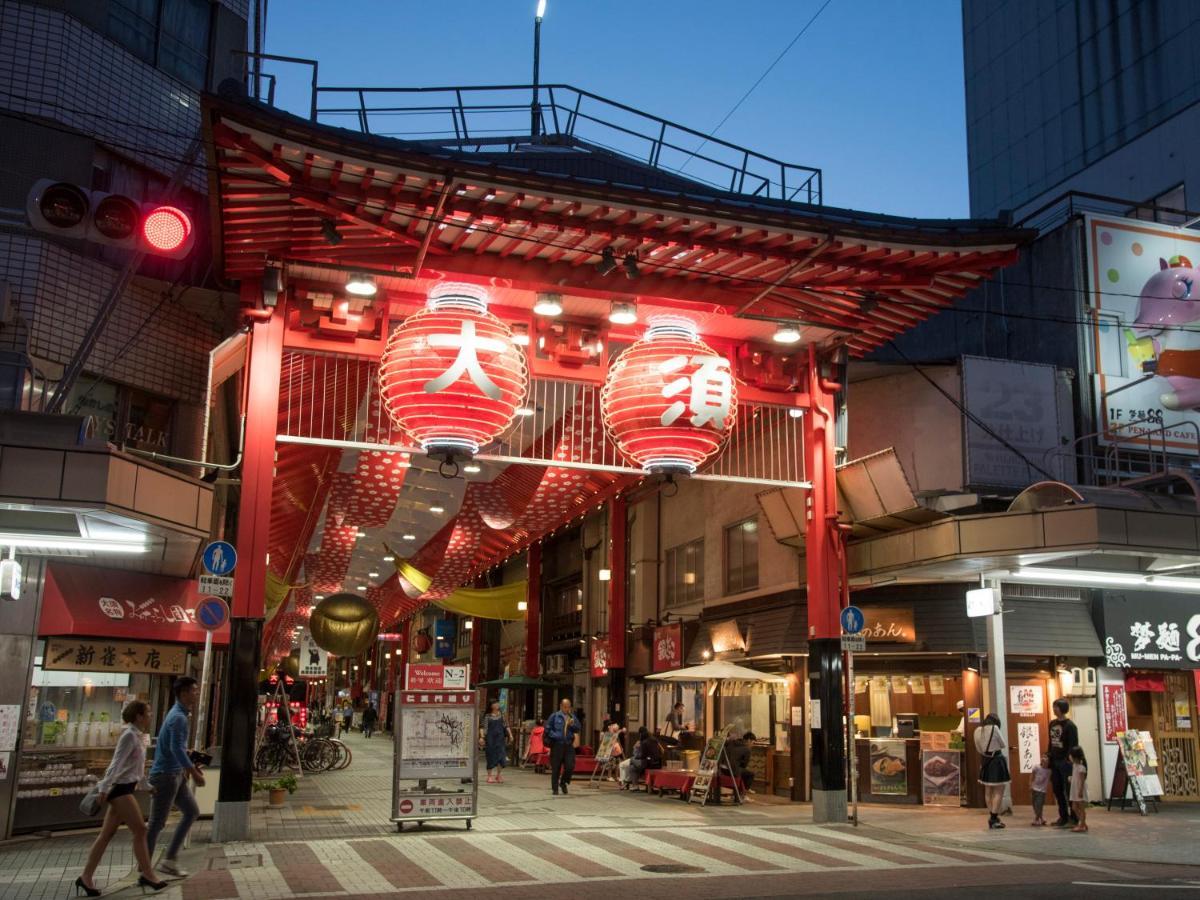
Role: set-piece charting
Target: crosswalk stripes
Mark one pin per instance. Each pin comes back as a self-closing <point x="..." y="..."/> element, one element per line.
<point x="396" y="864"/>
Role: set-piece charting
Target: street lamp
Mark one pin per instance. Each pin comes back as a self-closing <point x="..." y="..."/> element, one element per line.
<point x="534" y="109"/>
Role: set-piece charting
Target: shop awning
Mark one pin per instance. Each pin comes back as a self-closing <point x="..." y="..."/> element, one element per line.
<point x="95" y="602"/>
<point x="717" y="671"/>
<point x="1154" y="682"/>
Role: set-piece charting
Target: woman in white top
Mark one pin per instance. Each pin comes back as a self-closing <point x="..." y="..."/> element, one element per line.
<point x="993" y="772"/>
<point x="126" y="771"/>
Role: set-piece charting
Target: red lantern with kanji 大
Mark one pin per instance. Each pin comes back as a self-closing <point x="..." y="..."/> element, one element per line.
<point x="451" y="377"/>
<point x="669" y="401"/>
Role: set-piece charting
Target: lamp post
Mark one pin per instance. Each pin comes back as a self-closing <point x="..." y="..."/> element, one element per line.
<point x="534" y="109"/>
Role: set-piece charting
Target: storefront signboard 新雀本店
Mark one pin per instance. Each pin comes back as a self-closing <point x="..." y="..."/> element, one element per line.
<point x="110" y="655"/>
<point x="1151" y="629"/>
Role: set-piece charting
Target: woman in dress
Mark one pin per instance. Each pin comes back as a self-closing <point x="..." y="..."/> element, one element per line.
<point x="125" y="772"/>
<point x="494" y="736"/>
<point x="993" y="773"/>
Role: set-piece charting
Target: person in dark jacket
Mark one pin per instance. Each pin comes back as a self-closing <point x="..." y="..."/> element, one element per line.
<point x="562" y="728"/>
<point x="739" y="760"/>
<point x="1063" y="737"/>
<point x="370" y="717"/>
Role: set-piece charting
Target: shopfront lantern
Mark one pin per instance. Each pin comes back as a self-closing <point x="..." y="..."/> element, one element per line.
<point x="451" y="377"/>
<point x="669" y="401"/>
<point x="344" y="624"/>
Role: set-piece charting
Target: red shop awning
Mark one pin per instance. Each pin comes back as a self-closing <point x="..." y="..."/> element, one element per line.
<point x="95" y="602"/>
<point x="1145" y="681"/>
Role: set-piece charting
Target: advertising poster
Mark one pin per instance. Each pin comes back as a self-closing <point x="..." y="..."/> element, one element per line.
<point x="917" y="684"/>
<point x="10" y="725"/>
<point x="1029" y="747"/>
<point x="668" y="647"/>
<point x="1137" y="750"/>
<point x="941" y="777"/>
<point x="937" y="684"/>
<point x="312" y="658"/>
<point x="889" y="771"/>
<point x="899" y="684"/>
<point x="437" y="735"/>
<point x="1112" y="702"/>
<point x="1025" y="700"/>
<point x="1145" y="291"/>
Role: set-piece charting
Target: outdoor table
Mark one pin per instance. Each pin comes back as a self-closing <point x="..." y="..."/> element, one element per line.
<point x="669" y="780"/>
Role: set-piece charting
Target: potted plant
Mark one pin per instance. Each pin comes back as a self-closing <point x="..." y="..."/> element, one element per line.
<point x="276" y="788"/>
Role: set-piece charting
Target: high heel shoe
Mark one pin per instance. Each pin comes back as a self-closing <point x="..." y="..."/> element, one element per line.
<point x="145" y="883"/>
<point x="89" y="891"/>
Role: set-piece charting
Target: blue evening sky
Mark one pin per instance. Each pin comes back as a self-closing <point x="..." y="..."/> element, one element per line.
<point x="872" y="93"/>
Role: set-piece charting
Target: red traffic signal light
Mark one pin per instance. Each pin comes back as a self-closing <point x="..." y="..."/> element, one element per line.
<point x="58" y="207"/>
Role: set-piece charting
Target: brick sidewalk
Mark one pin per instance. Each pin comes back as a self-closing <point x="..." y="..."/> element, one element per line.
<point x="334" y="838"/>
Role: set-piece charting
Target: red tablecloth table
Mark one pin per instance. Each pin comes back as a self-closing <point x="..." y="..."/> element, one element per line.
<point x="669" y="780"/>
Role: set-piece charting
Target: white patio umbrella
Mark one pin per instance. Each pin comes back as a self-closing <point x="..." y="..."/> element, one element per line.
<point x="718" y="671"/>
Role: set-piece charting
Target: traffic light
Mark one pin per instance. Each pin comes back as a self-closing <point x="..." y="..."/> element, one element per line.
<point x="159" y="229"/>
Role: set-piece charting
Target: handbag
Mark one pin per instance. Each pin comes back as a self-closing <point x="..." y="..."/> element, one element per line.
<point x="90" y="804"/>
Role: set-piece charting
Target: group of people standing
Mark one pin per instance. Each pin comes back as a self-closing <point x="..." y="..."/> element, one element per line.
<point x="1063" y="769"/>
<point x="173" y="767"/>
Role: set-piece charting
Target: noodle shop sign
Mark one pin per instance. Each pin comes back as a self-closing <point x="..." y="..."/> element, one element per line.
<point x="888" y="625"/>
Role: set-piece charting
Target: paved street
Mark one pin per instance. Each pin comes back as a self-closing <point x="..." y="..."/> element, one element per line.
<point x="334" y="839"/>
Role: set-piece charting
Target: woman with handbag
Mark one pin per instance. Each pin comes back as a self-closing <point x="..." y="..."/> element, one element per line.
<point x="993" y="772"/>
<point x="115" y="795"/>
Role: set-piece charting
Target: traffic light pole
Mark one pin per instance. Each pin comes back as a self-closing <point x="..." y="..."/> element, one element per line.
<point x="90" y="338"/>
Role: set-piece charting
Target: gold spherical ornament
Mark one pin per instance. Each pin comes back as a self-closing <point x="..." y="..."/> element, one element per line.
<point x="344" y="624"/>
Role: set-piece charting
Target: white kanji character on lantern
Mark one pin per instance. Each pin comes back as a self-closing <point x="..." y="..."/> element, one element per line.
<point x="467" y="362"/>
<point x="711" y="390"/>
<point x="1168" y="637"/>
<point x="1143" y="634"/>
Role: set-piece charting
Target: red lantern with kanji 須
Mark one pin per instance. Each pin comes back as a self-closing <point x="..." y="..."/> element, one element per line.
<point x="451" y="377"/>
<point x="669" y="401"/>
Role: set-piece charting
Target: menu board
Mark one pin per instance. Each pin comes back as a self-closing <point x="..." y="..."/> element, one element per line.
<point x="917" y="683"/>
<point x="937" y="684"/>
<point x="889" y="770"/>
<point x="1141" y="759"/>
<point x="608" y="741"/>
<point x="941" y="777"/>
<point x="899" y="684"/>
<point x="1112" y="703"/>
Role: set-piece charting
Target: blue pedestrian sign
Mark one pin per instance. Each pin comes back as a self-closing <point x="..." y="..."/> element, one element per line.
<point x="220" y="557"/>
<point x="852" y="620"/>
<point x="212" y="613"/>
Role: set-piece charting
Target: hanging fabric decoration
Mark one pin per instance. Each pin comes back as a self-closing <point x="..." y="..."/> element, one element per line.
<point x="669" y="401"/>
<point x="451" y="377"/>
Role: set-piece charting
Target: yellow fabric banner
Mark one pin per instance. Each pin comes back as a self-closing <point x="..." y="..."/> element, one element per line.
<point x="274" y="594"/>
<point x="487" y="603"/>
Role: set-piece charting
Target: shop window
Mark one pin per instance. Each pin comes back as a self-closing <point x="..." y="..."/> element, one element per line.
<point x="565" y="611"/>
<point x="124" y="416"/>
<point x="741" y="557"/>
<point x="685" y="573"/>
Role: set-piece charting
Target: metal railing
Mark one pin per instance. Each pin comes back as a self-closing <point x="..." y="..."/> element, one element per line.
<point x="1146" y="451"/>
<point x="496" y="118"/>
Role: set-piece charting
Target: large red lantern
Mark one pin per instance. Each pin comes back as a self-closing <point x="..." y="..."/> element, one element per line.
<point x="669" y="401"/>
<point x="451" y="376"/>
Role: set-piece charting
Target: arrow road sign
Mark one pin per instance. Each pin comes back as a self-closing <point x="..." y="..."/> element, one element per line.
<point x="852" y="620"/>
<point x="220" y="558"/>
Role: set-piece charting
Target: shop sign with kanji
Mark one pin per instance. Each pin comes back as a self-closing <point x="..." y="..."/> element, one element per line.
<point x="1151" y="630"/>
<point x="106" y="655"/>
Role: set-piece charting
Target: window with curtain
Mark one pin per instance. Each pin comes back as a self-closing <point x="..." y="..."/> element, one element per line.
<point x="685" y="573"/>
<point x="741" y="557"/>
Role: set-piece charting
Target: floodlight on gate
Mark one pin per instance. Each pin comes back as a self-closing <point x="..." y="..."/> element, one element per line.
<point x="608" y="261"/>
<point x="623" y="312"/>
<point x="548" y="305"/>
<point x="361" y="285"/>
<point x="787" y="333"/>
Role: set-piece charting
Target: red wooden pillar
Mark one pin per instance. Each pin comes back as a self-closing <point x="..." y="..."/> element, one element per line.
<point x="533" y="611"/>
<point x="618" y="583"/>
<point x="476" y="650"/>
<point x="400" y="655"/>
<point x="823" y="566"/>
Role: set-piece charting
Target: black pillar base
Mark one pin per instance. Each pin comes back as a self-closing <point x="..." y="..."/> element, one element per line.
<point x="828" y="741"/>
<point x="239" y="719"/>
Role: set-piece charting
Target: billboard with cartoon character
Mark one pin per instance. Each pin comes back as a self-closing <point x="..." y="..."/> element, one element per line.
<point x="1145" y="332"/>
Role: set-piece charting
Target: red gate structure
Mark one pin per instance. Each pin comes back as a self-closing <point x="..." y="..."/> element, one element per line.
<point x="336" y="236"/>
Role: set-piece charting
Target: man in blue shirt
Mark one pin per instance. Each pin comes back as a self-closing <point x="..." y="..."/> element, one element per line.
<point x="169" y="774"/>
<point x="559" y="735"/>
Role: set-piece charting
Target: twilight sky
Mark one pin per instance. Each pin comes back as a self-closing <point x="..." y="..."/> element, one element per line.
<point x="872" y="93"/>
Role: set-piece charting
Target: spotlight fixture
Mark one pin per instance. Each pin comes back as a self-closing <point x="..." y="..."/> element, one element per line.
<point x="525" y="411"/>
<point x="631" y="266"/>
<point x="360" y="285"/>
<point x="522" y="605"/>
<point x="796" y="412"/>
<point x="372" y="574"/>
<point x="472" y="468"/>
<point x="320" y="596"/>
<point x="623" y="312"/>
<point x="520" y="335"/>
<point x="604" y="575"/>
<point x="362" y="587"/>
<point x="787" y="334"/>
<point x="469" y="625"/>
<point x="409" y="537"/>
<point x="608" y="261"/>
<point x="330" y="233"/>
<point x="436" y="510"/>
<point x="389" y="559"/>
<point x="548" y="305"/>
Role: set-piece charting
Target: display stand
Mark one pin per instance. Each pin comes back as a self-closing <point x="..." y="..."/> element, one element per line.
<point x="434" y="768"/>
<point x="606" y="763"/>
<point x="282" y="700"/>
<point x="1125" y="783"/>
<point x="710" y="771"/>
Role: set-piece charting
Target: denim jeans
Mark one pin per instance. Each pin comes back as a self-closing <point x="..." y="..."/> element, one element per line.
<point x="170" y="789"/>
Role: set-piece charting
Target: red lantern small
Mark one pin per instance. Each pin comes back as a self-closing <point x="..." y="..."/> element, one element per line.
<point x="422" y="641"/>
<point x="669" y="401"/>
<point x="451" y="376"/>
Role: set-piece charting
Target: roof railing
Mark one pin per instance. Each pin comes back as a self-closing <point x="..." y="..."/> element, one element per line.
<point x="496" y="119"/>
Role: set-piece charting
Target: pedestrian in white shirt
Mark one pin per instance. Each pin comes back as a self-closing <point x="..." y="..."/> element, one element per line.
<point x="993" y="773"/>
<point x="125" y="773"/>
